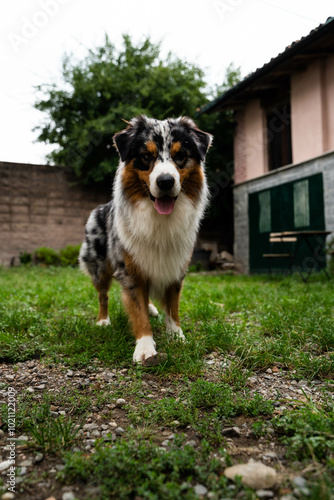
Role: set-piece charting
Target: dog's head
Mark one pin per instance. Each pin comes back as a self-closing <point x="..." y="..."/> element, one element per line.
<point x="162" y="159"/>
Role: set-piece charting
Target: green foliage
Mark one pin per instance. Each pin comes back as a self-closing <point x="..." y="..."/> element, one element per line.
<point x="106" y="87"/>
<point x="69" y="255"/>
<point x="53" y="435"/>
<point x="309" y="432"/>
<point x="141" y="470"/>
<point x="47" y="256"/>
<point x="25" y="257"/>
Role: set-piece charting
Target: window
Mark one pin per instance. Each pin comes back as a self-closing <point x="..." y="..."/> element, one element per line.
<point x="301" y="203"/>
<point x="279" y="136"/>
<point x="265" y="212"/>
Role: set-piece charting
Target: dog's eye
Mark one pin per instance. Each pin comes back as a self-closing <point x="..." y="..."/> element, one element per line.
<point x="147" y="157"/>
<point x="179" y="158"/>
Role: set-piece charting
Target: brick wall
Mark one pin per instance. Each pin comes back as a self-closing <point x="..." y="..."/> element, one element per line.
<point x="41" y="206"/>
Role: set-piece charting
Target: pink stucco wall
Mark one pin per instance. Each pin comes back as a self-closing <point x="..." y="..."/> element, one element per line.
<point x="250" y="151"/>
<point x="312" y="122"/>
<point x="329" y="78"/>
<point x="307" y="127"/>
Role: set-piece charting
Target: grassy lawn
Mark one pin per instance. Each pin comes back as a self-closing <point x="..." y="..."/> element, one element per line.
<point x="236" y="328"/>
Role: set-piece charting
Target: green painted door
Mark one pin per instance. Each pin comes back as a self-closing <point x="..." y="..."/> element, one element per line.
<point x="294" y="206"/>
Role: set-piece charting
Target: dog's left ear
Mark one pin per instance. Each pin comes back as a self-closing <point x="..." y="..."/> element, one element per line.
<point x="204" y="141"/>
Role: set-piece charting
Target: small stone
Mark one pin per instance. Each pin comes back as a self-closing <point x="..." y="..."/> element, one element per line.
<point x="299" y="482"/>
<point x="10" y="377"/>
<point x="165" y="444"/>
<point x="253" y="474"/>
<point x="270" y="454"/>
<point x="119" y="431"/>
<point x="120" y="402"/>
<point x="62" y="412"/>
<point x="40" y="387"/>
<point x="1" y="433"/>
<point x="38" y="457"/>
<point x="26" y="463"/>
<point x="252" y="381"/>
<point x="264" y="494"/>
<point x="89" y="427"/>
<point x="31" y="390"/>
<point x="5" y="465"/>
<point x="8" y="496"/>
<point x="22" y="471"/>
<point x="23" y="438"/>
<point x="109" y="438"/>
<point x="150" y="396"/>
<point x="53" y="408"/>
<point x="231" y="431"/>
<point x="69" y="373"/>
<point x="170" y="437"/>
<point x="176" y="423"/>
<point x="68" y="495"/>
<point x="269" y="370"/>
<point x="112" y="424"/>
<point x="199" y="489"/>
<point x="191" y="443"/>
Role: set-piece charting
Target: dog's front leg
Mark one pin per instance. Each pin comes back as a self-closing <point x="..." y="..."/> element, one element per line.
<point x="136" y="303"/>
<point x="171" y="304"/>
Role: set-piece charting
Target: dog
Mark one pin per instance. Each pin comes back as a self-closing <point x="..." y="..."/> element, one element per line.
<point x="144" y="237"/>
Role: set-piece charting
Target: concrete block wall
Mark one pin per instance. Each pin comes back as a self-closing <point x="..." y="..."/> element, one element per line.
<point x="40" y="205"/>
<point x="323" y="163"/>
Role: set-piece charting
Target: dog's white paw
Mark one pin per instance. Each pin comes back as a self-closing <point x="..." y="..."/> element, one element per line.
<point x="152" y="310"/>
<point x="145" y="348"/>
<point x="104" y="322"/>
<point x="174" y="330"/>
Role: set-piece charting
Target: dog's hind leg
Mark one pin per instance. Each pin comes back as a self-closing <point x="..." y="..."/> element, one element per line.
<point x="102" y="285"/>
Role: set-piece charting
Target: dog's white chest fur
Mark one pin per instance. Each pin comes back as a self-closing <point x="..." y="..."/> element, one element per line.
<point x="160" y="245"/>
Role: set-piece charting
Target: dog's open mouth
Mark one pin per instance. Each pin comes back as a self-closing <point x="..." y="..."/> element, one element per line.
<point x="164" y="205"/>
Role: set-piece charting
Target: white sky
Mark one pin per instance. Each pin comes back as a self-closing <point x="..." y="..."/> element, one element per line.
<point x="211" y="33"/>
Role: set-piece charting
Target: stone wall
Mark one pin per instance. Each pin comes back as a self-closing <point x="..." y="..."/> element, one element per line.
<point x="324" y="164"/>
<point x="40" y="205"/>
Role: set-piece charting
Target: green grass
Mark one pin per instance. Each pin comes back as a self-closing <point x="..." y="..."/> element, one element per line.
<point x="51" y="312"/>
<point x="252" y="322"/>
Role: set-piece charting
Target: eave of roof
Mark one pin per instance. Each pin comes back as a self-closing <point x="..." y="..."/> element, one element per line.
<point x="237" y="94"/>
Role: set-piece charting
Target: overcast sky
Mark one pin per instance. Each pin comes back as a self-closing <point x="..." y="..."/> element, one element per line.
<point x="211" y="33"/>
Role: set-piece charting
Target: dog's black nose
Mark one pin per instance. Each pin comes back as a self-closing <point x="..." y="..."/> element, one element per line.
<point x="165" y="182"/>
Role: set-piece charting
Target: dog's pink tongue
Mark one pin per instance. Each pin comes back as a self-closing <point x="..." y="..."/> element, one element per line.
<point x="164" y="205"/>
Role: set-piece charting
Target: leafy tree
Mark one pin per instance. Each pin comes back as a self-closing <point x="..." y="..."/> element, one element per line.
<point x="111" y="85"/>
<point x="106" y="87"/>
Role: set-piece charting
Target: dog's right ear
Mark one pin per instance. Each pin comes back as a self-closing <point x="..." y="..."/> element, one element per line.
<point x="124" y="139"/>
<point x="122" y="142"/>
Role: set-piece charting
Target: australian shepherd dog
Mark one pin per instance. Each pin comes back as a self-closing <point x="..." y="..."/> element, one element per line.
<point x="144" y="237"/>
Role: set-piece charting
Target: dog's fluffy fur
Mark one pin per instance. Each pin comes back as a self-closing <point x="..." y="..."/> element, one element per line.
<point x="145" y="236"/>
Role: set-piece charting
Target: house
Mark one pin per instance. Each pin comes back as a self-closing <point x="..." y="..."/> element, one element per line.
<point x="283" y="147"/>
